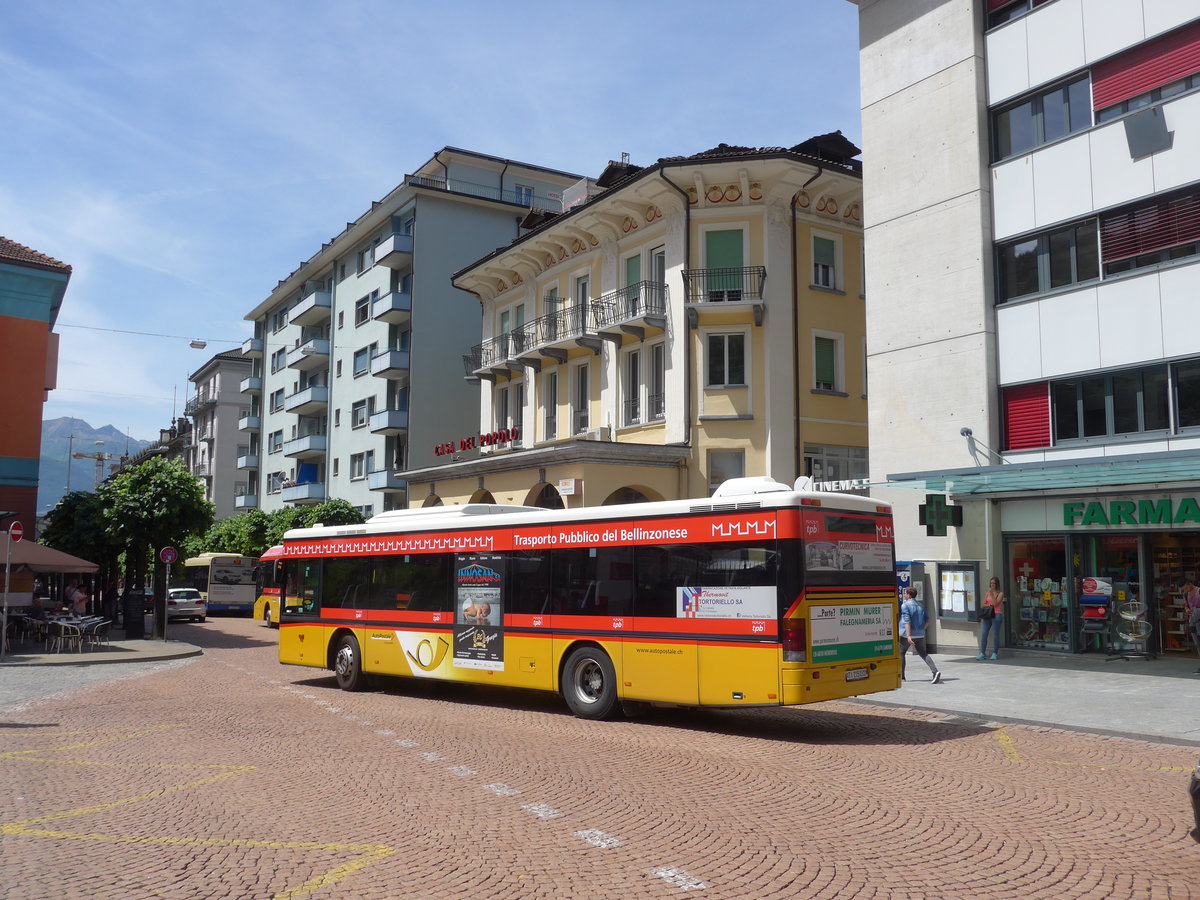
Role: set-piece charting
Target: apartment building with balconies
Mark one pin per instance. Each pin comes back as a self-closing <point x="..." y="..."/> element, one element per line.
<point x="681" y="324"/>
<point x="355" y="354"/>
<point x="215" y="448"/>
<point x="1032" y="250"/>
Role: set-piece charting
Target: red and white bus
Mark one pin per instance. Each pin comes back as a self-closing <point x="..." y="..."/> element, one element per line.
<point x="761" y="595"/>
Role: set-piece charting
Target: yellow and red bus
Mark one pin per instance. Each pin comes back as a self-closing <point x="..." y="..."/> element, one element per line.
<point x="761" y="595"/>
<point x="266" y="590"/>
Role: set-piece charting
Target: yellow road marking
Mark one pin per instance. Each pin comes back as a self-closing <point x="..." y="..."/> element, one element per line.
<point x="370" y="853"/>
<point x="1010" y="751"/>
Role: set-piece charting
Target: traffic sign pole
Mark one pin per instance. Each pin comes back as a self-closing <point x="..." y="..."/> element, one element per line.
<point x="15" y="533"/>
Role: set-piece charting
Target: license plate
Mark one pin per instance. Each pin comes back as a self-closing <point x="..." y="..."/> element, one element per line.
<point x="856" y="674"/>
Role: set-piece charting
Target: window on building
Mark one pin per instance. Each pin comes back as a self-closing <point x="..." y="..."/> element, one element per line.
<point x="275" y="441"/>
<point x="275" y="482"/>
<point x="723" y="465"/>
<point x="726" y="364"/>
<point x="1153" y="233"/>
<point x="550" y="405"/>
<point x="632" y="387"/>
<point x="335" y="466"/>
<point x="1186" y="378"/>
<point x="523" y="194"/>
<point x="1041" y="118"/>
<point x="279" y="319"/>
<point x="827" y="362"/>
<point x="1056" y="259"/>
<point x="1001" y="11"/>
<point x="362" y="310"/>
<point x="360" y="412"/>
<point x="825" y="463"/>
<point x="1147" y="73"/>
<point x="276" y="400"/>
<point x="364" y="259"/>
<point x="1096" y="406"/>
<point x="278" y="359"/>
<point x="341" y="317"/>
<point x="361" y="464"/>
<point x="824" y="252"/>
<point x="580" y="398"/>
<point x="362" y="359"/>
<point x="656" y="405"/>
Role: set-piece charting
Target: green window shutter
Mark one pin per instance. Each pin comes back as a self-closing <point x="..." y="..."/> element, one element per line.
<point x="823" y="251"/>
<point x="633" y="270"/>
<point x="723" y="249"/>
<point x="826" y="369"/>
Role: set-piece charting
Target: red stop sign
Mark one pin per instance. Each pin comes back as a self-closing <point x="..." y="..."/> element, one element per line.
<point x="15" y="531"/>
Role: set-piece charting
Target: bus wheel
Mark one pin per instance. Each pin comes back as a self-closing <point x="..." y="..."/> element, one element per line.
<point x="267" y="615"/>
<point x="347" y="665"/>
<point x="589" y="683"/>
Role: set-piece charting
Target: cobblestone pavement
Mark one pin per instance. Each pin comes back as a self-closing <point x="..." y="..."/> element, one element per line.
<point x="230" y="776"/>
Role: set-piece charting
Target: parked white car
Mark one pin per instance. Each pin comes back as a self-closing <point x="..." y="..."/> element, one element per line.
<point x="185" y="603"/>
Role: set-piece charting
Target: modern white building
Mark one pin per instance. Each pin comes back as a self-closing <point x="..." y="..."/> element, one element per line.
<point x="215" y="448"/>
<point x="356" y="354"/>
<point x="686" y="322"/>
<point x="1032" y="188"/>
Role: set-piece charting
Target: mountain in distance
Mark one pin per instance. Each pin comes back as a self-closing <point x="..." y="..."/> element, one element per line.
<point x="57" y="445"/>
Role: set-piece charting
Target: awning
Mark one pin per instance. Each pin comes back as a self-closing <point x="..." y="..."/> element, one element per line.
<point x="1147" y="471"/>
<point x="42" y="559"/>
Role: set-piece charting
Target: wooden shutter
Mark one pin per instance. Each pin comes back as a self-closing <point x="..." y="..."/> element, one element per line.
<point x="1146" y="67"/>
<point x="826" y="368"/>
<point x="1026" y="416"/>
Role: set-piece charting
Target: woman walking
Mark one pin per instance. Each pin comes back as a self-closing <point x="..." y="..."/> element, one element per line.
<point x="991" y="614"/>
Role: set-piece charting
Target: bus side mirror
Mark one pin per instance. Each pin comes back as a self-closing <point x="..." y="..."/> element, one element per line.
<point x="279" y="572"/>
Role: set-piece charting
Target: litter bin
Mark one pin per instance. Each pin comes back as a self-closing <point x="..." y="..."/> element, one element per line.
<point x="133" y="612"/>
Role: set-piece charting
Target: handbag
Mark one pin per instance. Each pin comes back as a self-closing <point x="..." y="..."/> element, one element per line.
<point x="987" y="612"/>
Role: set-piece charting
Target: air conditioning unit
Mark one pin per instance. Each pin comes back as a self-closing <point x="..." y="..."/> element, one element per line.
<point x="604" y="433"/>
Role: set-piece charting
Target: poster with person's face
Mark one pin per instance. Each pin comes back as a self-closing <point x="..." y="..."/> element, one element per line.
<point x="479" y="612"/>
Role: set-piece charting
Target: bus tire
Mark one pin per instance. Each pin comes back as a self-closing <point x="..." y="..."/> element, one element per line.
<point x="267" y="614"/>
<point x="589" y="683"/>
<point x="347" y="664"/>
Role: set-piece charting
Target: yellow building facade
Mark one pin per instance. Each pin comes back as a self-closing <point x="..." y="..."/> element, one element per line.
<point x="675" y="326"/>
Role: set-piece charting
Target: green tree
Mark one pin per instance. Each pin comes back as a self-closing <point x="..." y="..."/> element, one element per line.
<point x="244" y="534"/>
<point x="282" y="520"/>
<point x="334" y="512"/>
<point x="77" y="526"/>
<point x="151" y="505"/>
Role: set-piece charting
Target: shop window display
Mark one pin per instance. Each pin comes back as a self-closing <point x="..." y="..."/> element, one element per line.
<point x="1040" y="597"/>
<point x="1175" y="556"/>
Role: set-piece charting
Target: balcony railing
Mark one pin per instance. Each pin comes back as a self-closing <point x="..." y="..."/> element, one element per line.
<point x="394" y="307"/>
<point x="394" y="251"/>
<point x="304" y="493"/>
<point x="252" y="384"/>
<point x="729" y="285"/>
<point x="201" y="470"/>
<point x="386" y="480"/>
<point x="645" y="301"/>
<point x="566" y="325"/>
<point x="392" y="364"/>
<point x="252" y="347"/>
<point x="306" y="446"/>
<point x="389" y="421"/>
<point x="245" y="501"/>
<point x="313" y="309"/>
<point x="247" y="460"/>
<point x="488" y="192"/>
<point x="249" y="422"/>
<point x="312" y="354"/>
<point x="309" y="401"/>
<point x="202" y="400"/>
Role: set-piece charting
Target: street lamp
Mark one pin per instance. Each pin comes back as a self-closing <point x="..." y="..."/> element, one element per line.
<point x="197" y="344"/>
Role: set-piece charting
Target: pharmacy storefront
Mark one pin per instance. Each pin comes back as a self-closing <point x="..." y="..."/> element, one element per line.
<point x="1091" y="552"/>
<point x="1101" y="573"/>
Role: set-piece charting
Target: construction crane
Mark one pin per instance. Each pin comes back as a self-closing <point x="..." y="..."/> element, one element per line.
<point x="101" y="458"/>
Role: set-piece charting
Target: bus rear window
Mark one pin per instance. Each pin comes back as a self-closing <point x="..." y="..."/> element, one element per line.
<point x="850" y="525"/>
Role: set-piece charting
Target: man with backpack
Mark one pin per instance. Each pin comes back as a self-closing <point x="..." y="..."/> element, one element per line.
<point x="912" y="633"/>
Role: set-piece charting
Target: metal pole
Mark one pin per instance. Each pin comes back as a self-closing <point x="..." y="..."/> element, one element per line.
<point x="7" y="572"/>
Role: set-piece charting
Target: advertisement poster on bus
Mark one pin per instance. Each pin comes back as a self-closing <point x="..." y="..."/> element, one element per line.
<point x="725" y="602"/>
<point x="848" y="556"/>
<point x="479" y="613"/>
<point x="846" y="633"/>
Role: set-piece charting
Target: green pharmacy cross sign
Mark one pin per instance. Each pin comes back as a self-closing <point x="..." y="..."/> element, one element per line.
<point x="937" y="515"/>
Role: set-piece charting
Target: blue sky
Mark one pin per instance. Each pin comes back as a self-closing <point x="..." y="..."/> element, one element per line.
<point x="184" y="157"/>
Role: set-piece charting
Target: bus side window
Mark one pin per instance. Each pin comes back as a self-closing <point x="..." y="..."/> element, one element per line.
<point x="528" y="589"/>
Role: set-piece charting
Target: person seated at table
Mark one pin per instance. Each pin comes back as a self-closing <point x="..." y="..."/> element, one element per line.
<point x="35" y="611"/>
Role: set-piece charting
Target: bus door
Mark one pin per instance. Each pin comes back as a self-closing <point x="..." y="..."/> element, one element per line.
<point x="661" y="653"/>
